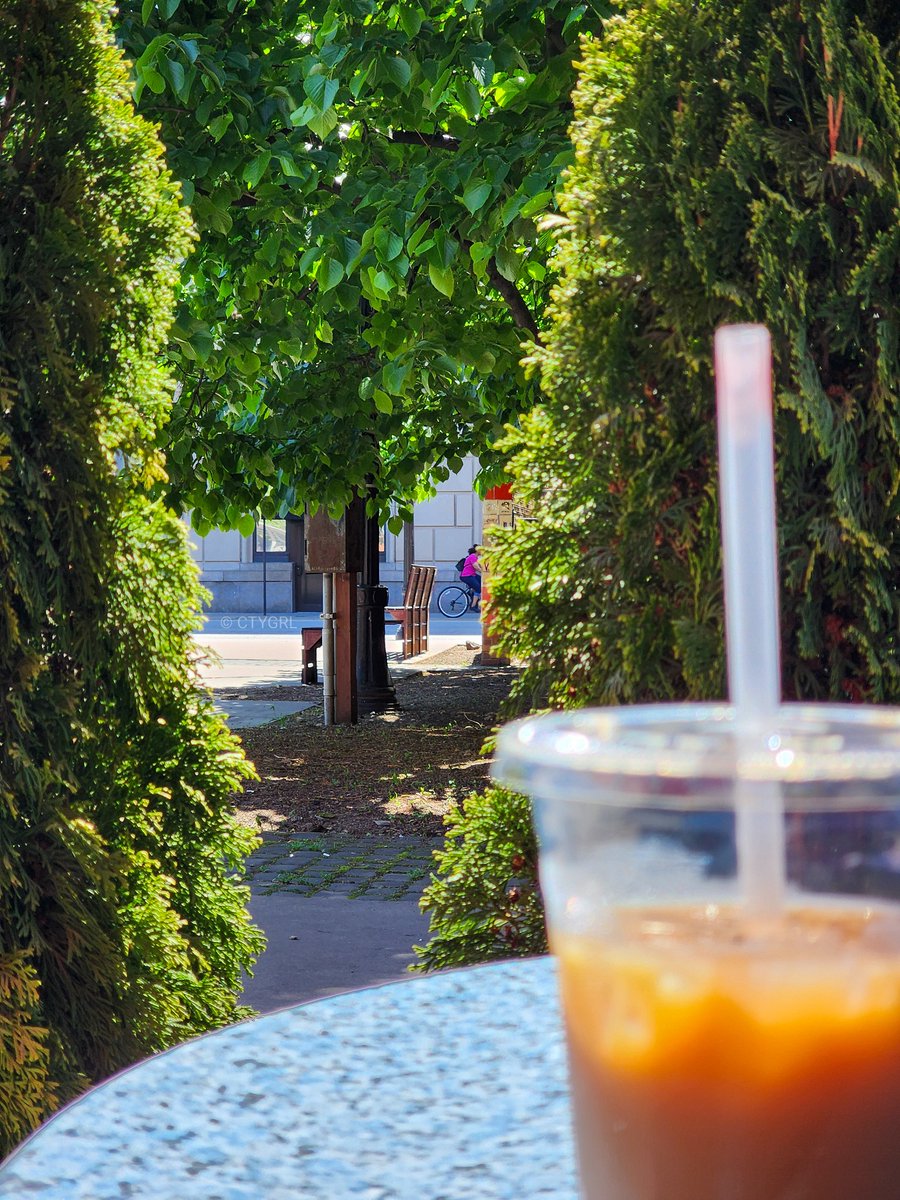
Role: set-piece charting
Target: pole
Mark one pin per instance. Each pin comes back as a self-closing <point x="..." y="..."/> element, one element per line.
<point x="376" y="690"/>
<point x="409" y="549"/>
<point x="345" y="695"/>
<point x="327" y="648"/>
<point x="265" y="561"/>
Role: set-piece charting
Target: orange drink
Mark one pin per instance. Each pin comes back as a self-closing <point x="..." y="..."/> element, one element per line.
<point x="721" y="1048"/>
<point x="711" y="1064"/>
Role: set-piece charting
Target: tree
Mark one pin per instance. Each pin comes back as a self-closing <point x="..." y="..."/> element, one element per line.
<point x="733" y="163"/>
<point x="367" y="181"/>
<point x="121" y="931"/>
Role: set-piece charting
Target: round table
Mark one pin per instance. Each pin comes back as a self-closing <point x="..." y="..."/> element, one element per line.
<point x="442" y="1087"/>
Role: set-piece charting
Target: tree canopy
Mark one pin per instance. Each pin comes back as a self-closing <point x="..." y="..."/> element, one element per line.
<point x="368" y="181"/>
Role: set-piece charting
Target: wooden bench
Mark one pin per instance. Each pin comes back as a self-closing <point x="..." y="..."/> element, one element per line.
<point x="412" y="614"/>
<point x="312" y="640"/>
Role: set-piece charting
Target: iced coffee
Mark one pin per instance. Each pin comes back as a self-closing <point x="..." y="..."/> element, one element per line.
<point x="717" y="1053"/>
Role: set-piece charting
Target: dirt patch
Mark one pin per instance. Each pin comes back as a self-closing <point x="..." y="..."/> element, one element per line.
<point x="455" y="656"/>
<point x="396" y="772"/>
<point x="270" y="691"/>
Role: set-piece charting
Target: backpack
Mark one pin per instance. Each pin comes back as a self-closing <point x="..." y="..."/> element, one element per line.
<point x="460" y="565"/>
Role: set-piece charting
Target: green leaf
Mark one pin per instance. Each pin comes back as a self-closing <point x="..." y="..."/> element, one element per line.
<point x="388" y="244"/>
<point x="309" y="258"/>
<point x="393" y="376"/>
<point x="153" y="80"/>
<point x="574" y="17"/>
<point x="398" y="71"/>
<point x="383" y="402"/>
<point x="151" y="51"/>
<point x="294" y="348"/>
<point x="358" y="82"/>
<point x="411" y="18"/>
<point x="470" y="98"/>
<point x="536" y="204"/>
<point x="255" y="170"/>
<point x="442" y="279"/>
<point x="323" y="123"/>
<point x="418" y="237"/>
<point x="395" y="525"/>
<point x="480" y="253"/>
<point x="147" y="10"/>
<point x="203" y="344"/>
<point x="209" y="215"/>
<point x="476" y="195"/>
<point x="512" y="208"/>
<point x="332" y="55"/>
<point x="324" y="332"/>
<point x="218" y="126"/>
<point x="444" y="250"/>
<point x="483" y="64"/>
<point x="246" y="524"/>
<point x="289" y="167"/>
<point x="199" y="523"/>
<point x="352" y="253"/>
<point x="329" y="274"/>
<point x="247" y="362"/>
<point x="321" y="90"/>
<point x="303" y="114"/>
<point x="328" y="27"/>
<point x="382" y="282"/>
<point x="508" y="263"/>
<point x="175" y="72"/>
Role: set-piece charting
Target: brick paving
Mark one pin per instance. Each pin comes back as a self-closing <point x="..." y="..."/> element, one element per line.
<point x="395" y="868"/>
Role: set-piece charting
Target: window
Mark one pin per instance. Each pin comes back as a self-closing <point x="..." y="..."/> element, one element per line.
<point x="270" y="539"/>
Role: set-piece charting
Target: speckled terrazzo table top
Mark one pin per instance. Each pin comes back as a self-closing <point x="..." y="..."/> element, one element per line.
<point x="447" y="1087"/>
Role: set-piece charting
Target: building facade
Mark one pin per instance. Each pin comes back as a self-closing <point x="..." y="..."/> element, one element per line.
<point x="264" y="571"/>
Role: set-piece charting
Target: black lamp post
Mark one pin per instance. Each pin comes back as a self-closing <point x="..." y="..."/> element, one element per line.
<point x="375" y="690"/>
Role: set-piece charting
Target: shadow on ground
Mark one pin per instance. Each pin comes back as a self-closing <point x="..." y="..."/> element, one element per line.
<point x="397" y="772"/>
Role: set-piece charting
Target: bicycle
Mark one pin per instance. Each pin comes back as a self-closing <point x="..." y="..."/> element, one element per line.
<point x="456" y="599"/>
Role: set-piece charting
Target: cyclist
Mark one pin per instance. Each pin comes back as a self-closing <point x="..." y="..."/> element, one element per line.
<point x="470" y="576"/>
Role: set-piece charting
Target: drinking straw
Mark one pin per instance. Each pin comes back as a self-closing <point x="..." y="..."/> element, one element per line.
<point x="747" y="501"/>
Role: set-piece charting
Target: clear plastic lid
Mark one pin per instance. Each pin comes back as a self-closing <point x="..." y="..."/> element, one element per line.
<point x="692" y="752"/>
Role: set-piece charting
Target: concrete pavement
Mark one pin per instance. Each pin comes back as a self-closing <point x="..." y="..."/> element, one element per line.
<point x="327" y="944"/>
<point x="338" y="913"/>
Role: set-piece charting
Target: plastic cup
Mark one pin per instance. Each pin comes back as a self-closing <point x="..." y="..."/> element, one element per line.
<point x="715" y="1054"/>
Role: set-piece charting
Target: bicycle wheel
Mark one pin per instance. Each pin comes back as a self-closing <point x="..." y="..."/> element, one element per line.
<point x="453" y="600"/>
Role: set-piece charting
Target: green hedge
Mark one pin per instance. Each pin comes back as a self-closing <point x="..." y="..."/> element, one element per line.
<point x="121" y="928"/>
<point x="734" y="162"/>
<point x="485" y="902"/>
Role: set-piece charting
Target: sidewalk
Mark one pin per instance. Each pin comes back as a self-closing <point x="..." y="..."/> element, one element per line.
<point x="339" y="913"/>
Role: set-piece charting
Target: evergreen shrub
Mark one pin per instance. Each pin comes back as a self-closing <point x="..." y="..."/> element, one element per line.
<point x="485" y="902"/>
<point x="122" y="926"/>
<point x="734" y="162"/>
